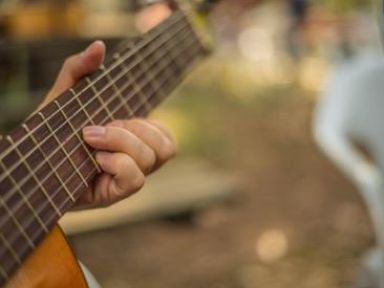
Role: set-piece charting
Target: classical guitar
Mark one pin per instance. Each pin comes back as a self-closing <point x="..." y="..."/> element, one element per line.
<point x="45" y="165"/>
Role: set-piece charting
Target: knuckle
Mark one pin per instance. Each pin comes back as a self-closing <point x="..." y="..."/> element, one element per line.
<point x="134" y="124"/>
<point x="112" y="136"/>
<point x="116" y="123"/>
<point x="68" y="61"/>
<point x="167" y="150"/>
<point x="149" y="158"/>
<point x="124" y="163"/>
<point x="138" y="181"/>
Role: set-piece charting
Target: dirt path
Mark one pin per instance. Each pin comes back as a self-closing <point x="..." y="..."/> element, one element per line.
<point x="290" y="187"/>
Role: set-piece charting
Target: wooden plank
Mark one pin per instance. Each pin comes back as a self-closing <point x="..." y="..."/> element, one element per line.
<point x="180" y="186"/>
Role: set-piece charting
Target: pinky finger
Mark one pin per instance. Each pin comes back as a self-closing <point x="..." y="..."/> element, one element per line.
<point x="127" y="177"/>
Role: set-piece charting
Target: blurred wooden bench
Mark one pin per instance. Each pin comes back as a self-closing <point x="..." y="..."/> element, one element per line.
<point x="182" y="185"/>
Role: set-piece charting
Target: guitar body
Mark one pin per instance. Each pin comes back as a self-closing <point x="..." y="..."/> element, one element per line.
<point x="52" y="264"/>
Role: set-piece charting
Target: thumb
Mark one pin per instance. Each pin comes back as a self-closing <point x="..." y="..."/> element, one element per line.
<point x="76" y="67"/>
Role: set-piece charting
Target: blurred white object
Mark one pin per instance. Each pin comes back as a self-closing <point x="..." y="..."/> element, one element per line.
<point x="89" y="278"/>
<point x="352" y="111"/>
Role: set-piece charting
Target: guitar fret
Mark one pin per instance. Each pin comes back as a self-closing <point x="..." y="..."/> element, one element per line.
<point x="172" y="55"/>
<point x="167" y="71"/>
<point x="148" y="107"/>
<point x="25" y="201"/>
<point x="149" y="75"/>
<point x="10" y="249"/>
<point x="117" y="91"/>
<point x="138" y="79"/>
<point x="62" y="148"/>
<point x="3" y="272"/>
<point x="30" y="170"/>
<point x="9" y="212"/>
<point x="50" y="200"/>
<point x="81" y="106"/>
<point x="48" y="162"/>
<point x="184" y="58"/>
<point x="81" y="142"/>
<point x="110" y="115"/>
<point x="163" y="63"/>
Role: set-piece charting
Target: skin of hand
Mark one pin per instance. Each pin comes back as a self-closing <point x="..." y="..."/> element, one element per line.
<point x="126" y="150"/>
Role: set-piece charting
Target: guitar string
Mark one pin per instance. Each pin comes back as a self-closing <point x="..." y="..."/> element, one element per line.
<point x="120" y="106"/>
<point x="100" y="109"/>
<point x="137" y="109"/>
<point x="91" y="100"/>
<point x="91" y="173"/>
<point x="58" y="149"/>
<point x="14" y="166"/>
<point x="177" y="16"/>
<point x="167" y="80"/>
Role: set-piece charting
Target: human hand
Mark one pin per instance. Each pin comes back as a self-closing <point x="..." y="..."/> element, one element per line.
<point x="126" y="150"/>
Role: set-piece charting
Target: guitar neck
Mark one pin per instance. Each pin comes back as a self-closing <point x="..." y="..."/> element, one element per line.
<point x="45" y="166"/>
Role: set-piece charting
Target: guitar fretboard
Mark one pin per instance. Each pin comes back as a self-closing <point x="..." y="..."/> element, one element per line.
<point x="44" y="164"/>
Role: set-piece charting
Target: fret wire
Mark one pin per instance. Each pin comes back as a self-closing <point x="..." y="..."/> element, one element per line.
<point x="54" y="169"/>
<point x="4" y="273"/>
<point x="166" y="71"/>
<point x="82" y="107"/>
<point x="118" y="92"/>
<point x="137" y="88"/>
<point x="26" y="201"/>
<point x="177" y="55"/>
<point x="80" y="186"/>
<point x="34" y="176"/>
<point x="149" y="74"/>
<point x="172" y="54"/>
<point x="17" y="223"/>
<point x="90" y="101"/>
<point x="91" y="174"/>
<point x="120" y="75"/>
<point x="182" y="60"/>
<point x="73" y="128"/>
<point x="54" y="194"/>
<point x="86" y="149"/>
<point x="24" y="249"/>
<point x="62" y="148"/>
<point x="43" y="190"/>
<point x="10" y="249"/>
<point x="51" y="217"/>
<point x="173" y="20"/>
<point x="95" y="113"/>
<point x="137" y="108"/>
<point x="71" y="176"/>
<point x="99" y="99"/>
<point x="171" y="59"/>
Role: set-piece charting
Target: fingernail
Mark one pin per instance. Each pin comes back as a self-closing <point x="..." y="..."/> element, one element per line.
<point x="87" y="50"/>
<point x="94" y="131"/>
<point x="90" y="47"/>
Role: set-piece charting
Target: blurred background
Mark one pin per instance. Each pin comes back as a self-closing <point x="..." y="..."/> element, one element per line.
<point x="250" y="201"/>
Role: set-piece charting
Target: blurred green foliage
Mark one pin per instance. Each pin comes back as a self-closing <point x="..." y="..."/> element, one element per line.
<point x="345" y="5"/>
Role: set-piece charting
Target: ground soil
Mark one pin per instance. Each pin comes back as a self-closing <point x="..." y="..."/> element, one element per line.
<point x="288" y="185"/>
